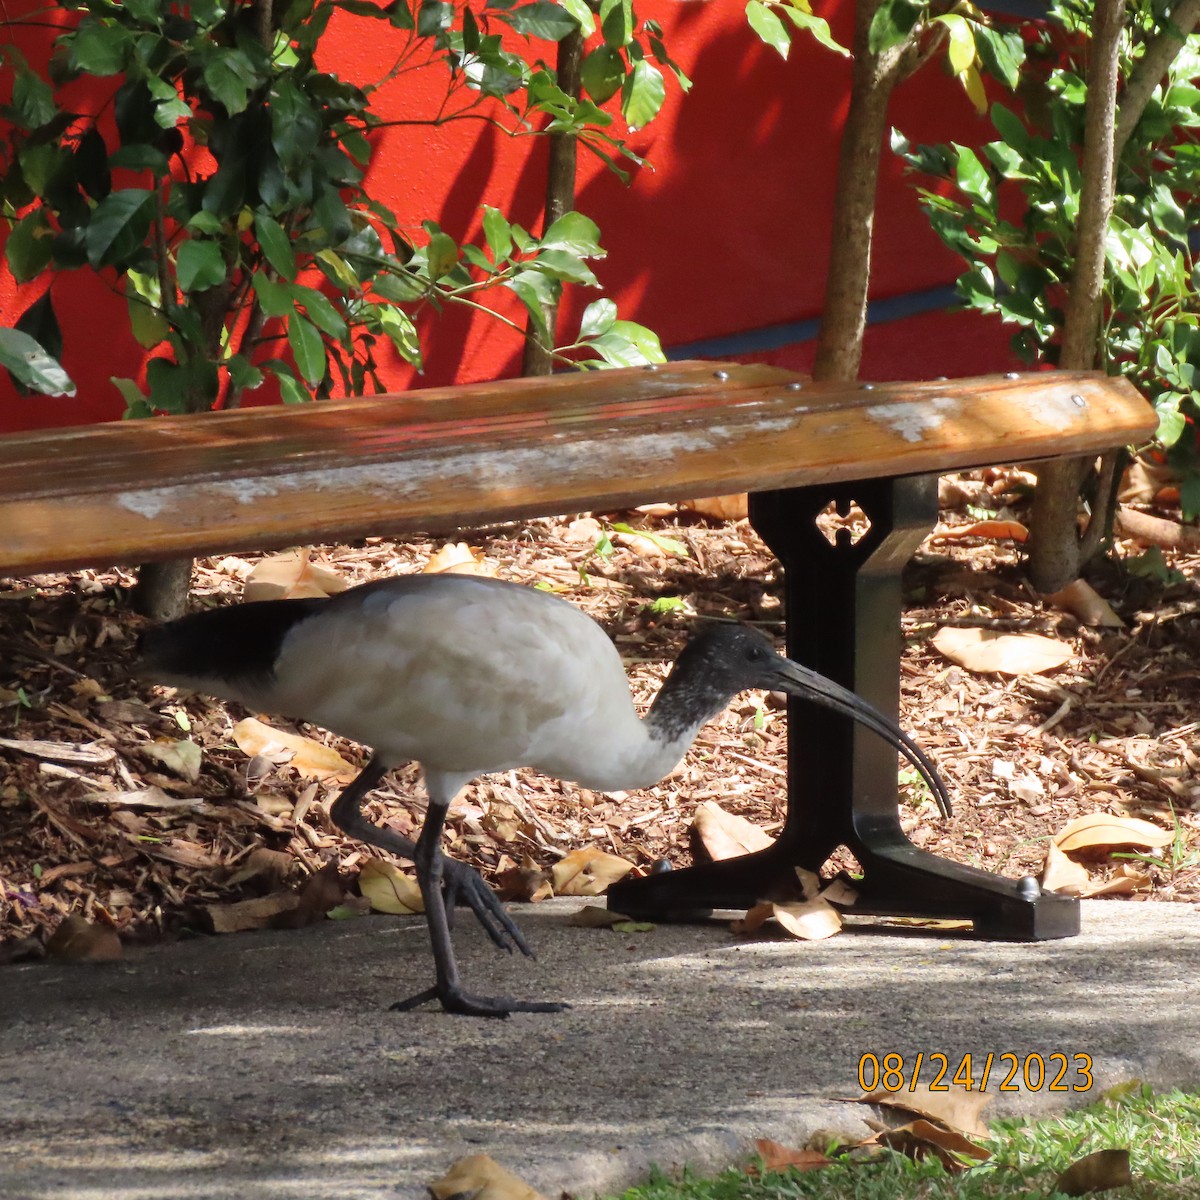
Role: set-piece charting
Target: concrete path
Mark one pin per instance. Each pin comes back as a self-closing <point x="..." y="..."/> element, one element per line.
<point x="265" y="1066"/>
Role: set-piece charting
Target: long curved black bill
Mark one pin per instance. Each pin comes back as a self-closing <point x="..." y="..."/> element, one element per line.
<point x="808" y="685"/>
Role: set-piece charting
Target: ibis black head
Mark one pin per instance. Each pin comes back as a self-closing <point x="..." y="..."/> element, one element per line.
<point x="726" y="659"/>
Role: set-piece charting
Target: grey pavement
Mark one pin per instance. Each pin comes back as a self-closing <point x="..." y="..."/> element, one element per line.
<point x="264" y="1066"/>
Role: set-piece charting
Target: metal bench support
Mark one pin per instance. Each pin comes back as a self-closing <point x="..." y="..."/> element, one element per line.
<point x="843" y="605"/>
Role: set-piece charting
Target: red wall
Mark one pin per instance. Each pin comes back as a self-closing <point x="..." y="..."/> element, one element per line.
<point x="725" y="233"/>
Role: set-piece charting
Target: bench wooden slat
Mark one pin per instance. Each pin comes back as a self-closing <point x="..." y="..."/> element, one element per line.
<point x="446" y="458"/>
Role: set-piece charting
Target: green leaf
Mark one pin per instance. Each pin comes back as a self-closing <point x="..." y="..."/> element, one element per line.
<point x="815" y="26"/>
<point x="229" y="76"/>
<point x="891" y="24"/>
<point x="616" y="22"/>
<point x="627" y="344"/>
<point x="274" y="298"/>
<point x="972" y="177"/>
<point x="276" y="245"/>
<point x="243" y="372"/>
<point x="766" y="23"/>
<point x="1171" y="422"/>
<point x="566" y="266"/>
<point x="602" y="72"/>
<point x="583" y="15"/>
<point x="537" y="292"/>
<point x="30" y="246"/>
<point x="542" y="19"/>
<point x="443" y="254"/>
<point x="199" y="265"/>
<point x="576" y="233"/>
<point x="401" y="332"/>
<point x="642" y="94"/>
<point x="32" y="100"/>
<point x="119" y="226"/>
<point x="960" y="48"/>
<point x="98" y="49"/>
<point x="136" y="407"/>
<point x="1002" y="53"/>
<point x="598" y="318"/>
<point x="31" y="366"/>
<point x="498" y="233"/>
<point x="143" y="297"/>
<point x="320" y="311"/>
<point x="308" y="349"/>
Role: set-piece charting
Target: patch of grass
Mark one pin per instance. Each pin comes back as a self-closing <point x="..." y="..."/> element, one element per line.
<point x="1161" y="1132"/>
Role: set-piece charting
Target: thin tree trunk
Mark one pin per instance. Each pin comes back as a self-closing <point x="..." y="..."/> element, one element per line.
<point x="1056" y="552"/>
<point x="844" y="316"/>
<point x="560" y="197"/>
<point x="162" y="589"/>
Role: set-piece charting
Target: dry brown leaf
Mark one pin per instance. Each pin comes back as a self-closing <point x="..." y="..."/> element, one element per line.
<point x="592" y="916"/>
<point x="311" y="759"/>
<point x="389" y="889"/>
<point x="921" y="1138"/>
<point x="996" y="530"/>
<point x="810" y="882"/>
<point x="733" y="507"/>
<point x="986" y="651"/>
<point x="1062" y="874"/>
<point x="528" y="883"/>
<point x="724" y="835"/>
<point x="79" y="940"/>
<point x="956" y="1108"/>
<point x="1083" y="601"/>
<point x="1099" y="833"/>
<point x="272" y="865"/>
<point x="777" y="1157"/>
<point x="457" y="558"/>
<point x="1096" y="1173"/>
<point x="320" y="892"/>
<point x="256" y="913"/>
<point x="810" y="920"/>
<point x="182" y="758"/>
<point x="291" y="576"/>
<point x="587" y="871"/>
<point x="480" y="1177"/>
<point x="840" y="891"/>
<point x="1129" y="878"/>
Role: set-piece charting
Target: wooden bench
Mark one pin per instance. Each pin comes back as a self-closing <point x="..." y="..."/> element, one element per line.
<point x="445" y="458"/>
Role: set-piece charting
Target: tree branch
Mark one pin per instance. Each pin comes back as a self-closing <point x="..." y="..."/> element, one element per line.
<point x="1153" y="65"/>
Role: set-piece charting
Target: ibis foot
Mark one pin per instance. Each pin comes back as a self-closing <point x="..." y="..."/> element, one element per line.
<point x="463" y="884"/>
<point x="453" y="1000"/>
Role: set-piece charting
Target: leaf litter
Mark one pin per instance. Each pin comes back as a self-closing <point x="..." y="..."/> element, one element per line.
<point x="94" y="821"/>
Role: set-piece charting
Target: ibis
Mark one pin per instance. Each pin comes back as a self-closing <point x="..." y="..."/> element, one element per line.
<point x="466" y="675"/>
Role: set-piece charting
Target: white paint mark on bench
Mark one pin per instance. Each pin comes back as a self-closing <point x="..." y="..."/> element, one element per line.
<point x="585" y="460"/>
<point x="911" y="419"/>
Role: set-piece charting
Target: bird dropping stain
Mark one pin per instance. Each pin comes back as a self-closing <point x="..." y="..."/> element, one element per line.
<point x="911" y="419"/>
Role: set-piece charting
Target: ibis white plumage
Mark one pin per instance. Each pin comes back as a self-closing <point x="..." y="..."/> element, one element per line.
<point x="467" y="676"/>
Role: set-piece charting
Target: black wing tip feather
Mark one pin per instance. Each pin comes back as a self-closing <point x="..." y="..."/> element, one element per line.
<point x="239" y="641"/>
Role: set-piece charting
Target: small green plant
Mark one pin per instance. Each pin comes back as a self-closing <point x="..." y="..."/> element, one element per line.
<point x="1011" y="211"/>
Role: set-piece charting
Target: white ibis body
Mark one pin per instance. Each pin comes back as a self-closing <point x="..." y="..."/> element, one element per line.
<point x="465" y="676"/>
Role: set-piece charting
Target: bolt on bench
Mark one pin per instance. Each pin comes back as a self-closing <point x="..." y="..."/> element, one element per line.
<point x="441" y="459"/>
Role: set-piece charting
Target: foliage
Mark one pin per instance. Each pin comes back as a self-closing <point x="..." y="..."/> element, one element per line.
<point x="220" y="184"/>
<point x="1010" y="211"/>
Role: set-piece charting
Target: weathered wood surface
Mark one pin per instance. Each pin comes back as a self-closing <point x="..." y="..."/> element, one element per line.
<point x="445" y="458"/>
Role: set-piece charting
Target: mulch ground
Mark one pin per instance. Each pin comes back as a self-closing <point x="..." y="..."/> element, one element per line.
<point x="98" y="815"/>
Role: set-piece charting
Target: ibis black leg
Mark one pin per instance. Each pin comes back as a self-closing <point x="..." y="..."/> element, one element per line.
<point x="461" y="882"/>
<point x="843" y="605"/>
<point x="430" y="863"/>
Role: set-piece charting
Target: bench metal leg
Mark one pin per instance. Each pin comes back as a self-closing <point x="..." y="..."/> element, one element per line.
<point x="842" y="605"/>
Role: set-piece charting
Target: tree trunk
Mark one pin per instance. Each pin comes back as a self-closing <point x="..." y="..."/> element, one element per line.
<point x="1056" y="552"/>
<point x="844" y="316"/>
<point x="162" y="589"/>
<point x="560" y="197"/>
